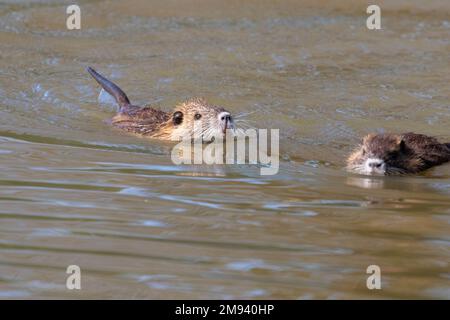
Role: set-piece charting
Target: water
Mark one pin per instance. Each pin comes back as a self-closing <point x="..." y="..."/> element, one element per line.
<point x="73" y="190"/>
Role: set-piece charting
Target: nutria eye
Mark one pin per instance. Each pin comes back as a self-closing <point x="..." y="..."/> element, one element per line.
<point x="177" y="117"/>
<point x="197" y="116"/>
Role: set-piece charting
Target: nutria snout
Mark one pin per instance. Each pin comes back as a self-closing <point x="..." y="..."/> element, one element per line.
<point x="192" y="118"/>
<point x="387" y="154"/>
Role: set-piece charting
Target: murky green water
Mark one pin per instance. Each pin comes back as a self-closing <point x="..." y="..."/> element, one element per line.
<point x="73" y="190"/>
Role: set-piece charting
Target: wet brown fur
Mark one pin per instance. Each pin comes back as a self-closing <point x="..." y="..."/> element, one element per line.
<point x="155" y="123"/>
<point x="402" y="153"/>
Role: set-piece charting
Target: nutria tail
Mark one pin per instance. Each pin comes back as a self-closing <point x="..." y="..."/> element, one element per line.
<point x="111" y="88"/>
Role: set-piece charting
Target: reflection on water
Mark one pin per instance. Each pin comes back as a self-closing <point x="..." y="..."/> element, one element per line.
<point x="366" y="182"/>
<point x="73" y="190"/>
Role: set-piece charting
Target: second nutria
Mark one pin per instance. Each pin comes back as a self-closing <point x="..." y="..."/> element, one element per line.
<point x="193" y="118"/>
<point x="387" y="154"/>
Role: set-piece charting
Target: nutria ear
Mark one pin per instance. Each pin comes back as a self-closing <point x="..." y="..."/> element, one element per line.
<point x="177" y="117"/>
<point x="368" y="137"/>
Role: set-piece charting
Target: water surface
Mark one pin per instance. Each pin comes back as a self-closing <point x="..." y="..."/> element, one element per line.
<point x="73" y="190"/>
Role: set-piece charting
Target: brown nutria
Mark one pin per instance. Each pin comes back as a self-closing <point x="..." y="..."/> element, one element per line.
<point x="193" y="118"/>
<point x="386" y="154"/>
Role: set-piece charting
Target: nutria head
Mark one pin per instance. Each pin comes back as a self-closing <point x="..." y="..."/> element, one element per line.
<point x="195" y="118"/>
<point x="383" y="154"/>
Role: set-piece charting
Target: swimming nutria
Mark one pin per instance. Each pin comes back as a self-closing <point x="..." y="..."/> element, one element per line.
<point x="192" y="118"/>
<point x="387" y="154"/>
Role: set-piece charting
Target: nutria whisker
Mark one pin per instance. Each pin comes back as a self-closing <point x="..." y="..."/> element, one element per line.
<point x="244" y="124"/>
<point x="244" y="114"/>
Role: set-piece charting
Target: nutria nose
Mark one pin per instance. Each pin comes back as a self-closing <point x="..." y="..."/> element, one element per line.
<point x="375" y="163"/>
<point x="225" y="116"/>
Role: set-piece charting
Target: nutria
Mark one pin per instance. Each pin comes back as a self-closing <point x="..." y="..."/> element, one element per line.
<point x="387" y="154"/>
<point x="192" y="118"/>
